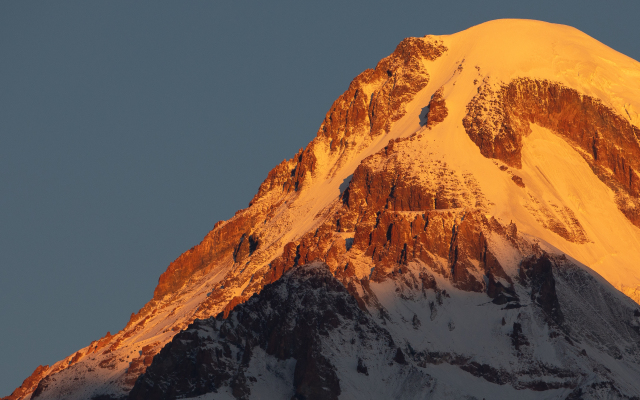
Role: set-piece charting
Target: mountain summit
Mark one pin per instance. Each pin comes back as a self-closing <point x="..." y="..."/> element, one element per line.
<point x="466" y="224"/>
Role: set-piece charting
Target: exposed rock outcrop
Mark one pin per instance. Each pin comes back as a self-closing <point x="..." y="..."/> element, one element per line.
<point x="29" y="384"/>
<point x="498" y="119"/>
<point x="287" y="321"/>
<point x="437" y="109"/>
<point x="374" y="100"/>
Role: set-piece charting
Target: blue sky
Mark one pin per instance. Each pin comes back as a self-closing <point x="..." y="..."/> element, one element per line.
<point x="128" y="129"/>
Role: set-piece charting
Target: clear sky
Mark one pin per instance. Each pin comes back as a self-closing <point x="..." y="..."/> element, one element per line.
<point x="127" y="129"/>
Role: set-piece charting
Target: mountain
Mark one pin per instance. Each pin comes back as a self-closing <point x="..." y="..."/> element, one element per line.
<point x="466" y="224"/>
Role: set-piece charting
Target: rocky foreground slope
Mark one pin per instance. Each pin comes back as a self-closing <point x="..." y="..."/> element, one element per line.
<point x="306" y="337"/>
<point x="462" y="225"/>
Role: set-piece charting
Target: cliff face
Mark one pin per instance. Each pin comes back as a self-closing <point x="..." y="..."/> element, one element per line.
<point x="608" y="142"/>
<point x="451" y="205"/>
<point x="375" y="99"/>
<point x="285" y="325"/>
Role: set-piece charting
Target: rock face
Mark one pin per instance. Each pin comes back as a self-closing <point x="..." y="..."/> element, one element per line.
<point x="374" y="100"/>
<point x="437" y="109"/>
<point x="434" y="240"/>
<point x="283" y="325"/>
<point x="305" y="337"/>
<point x="609" y="143"/>
<point x="29" y="384"/>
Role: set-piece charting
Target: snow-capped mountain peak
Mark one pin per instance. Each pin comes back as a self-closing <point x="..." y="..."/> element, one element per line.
<point x="469" y="211"/>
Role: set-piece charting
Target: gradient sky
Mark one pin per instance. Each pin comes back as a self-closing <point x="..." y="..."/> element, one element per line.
<point x="128" y="129"/>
